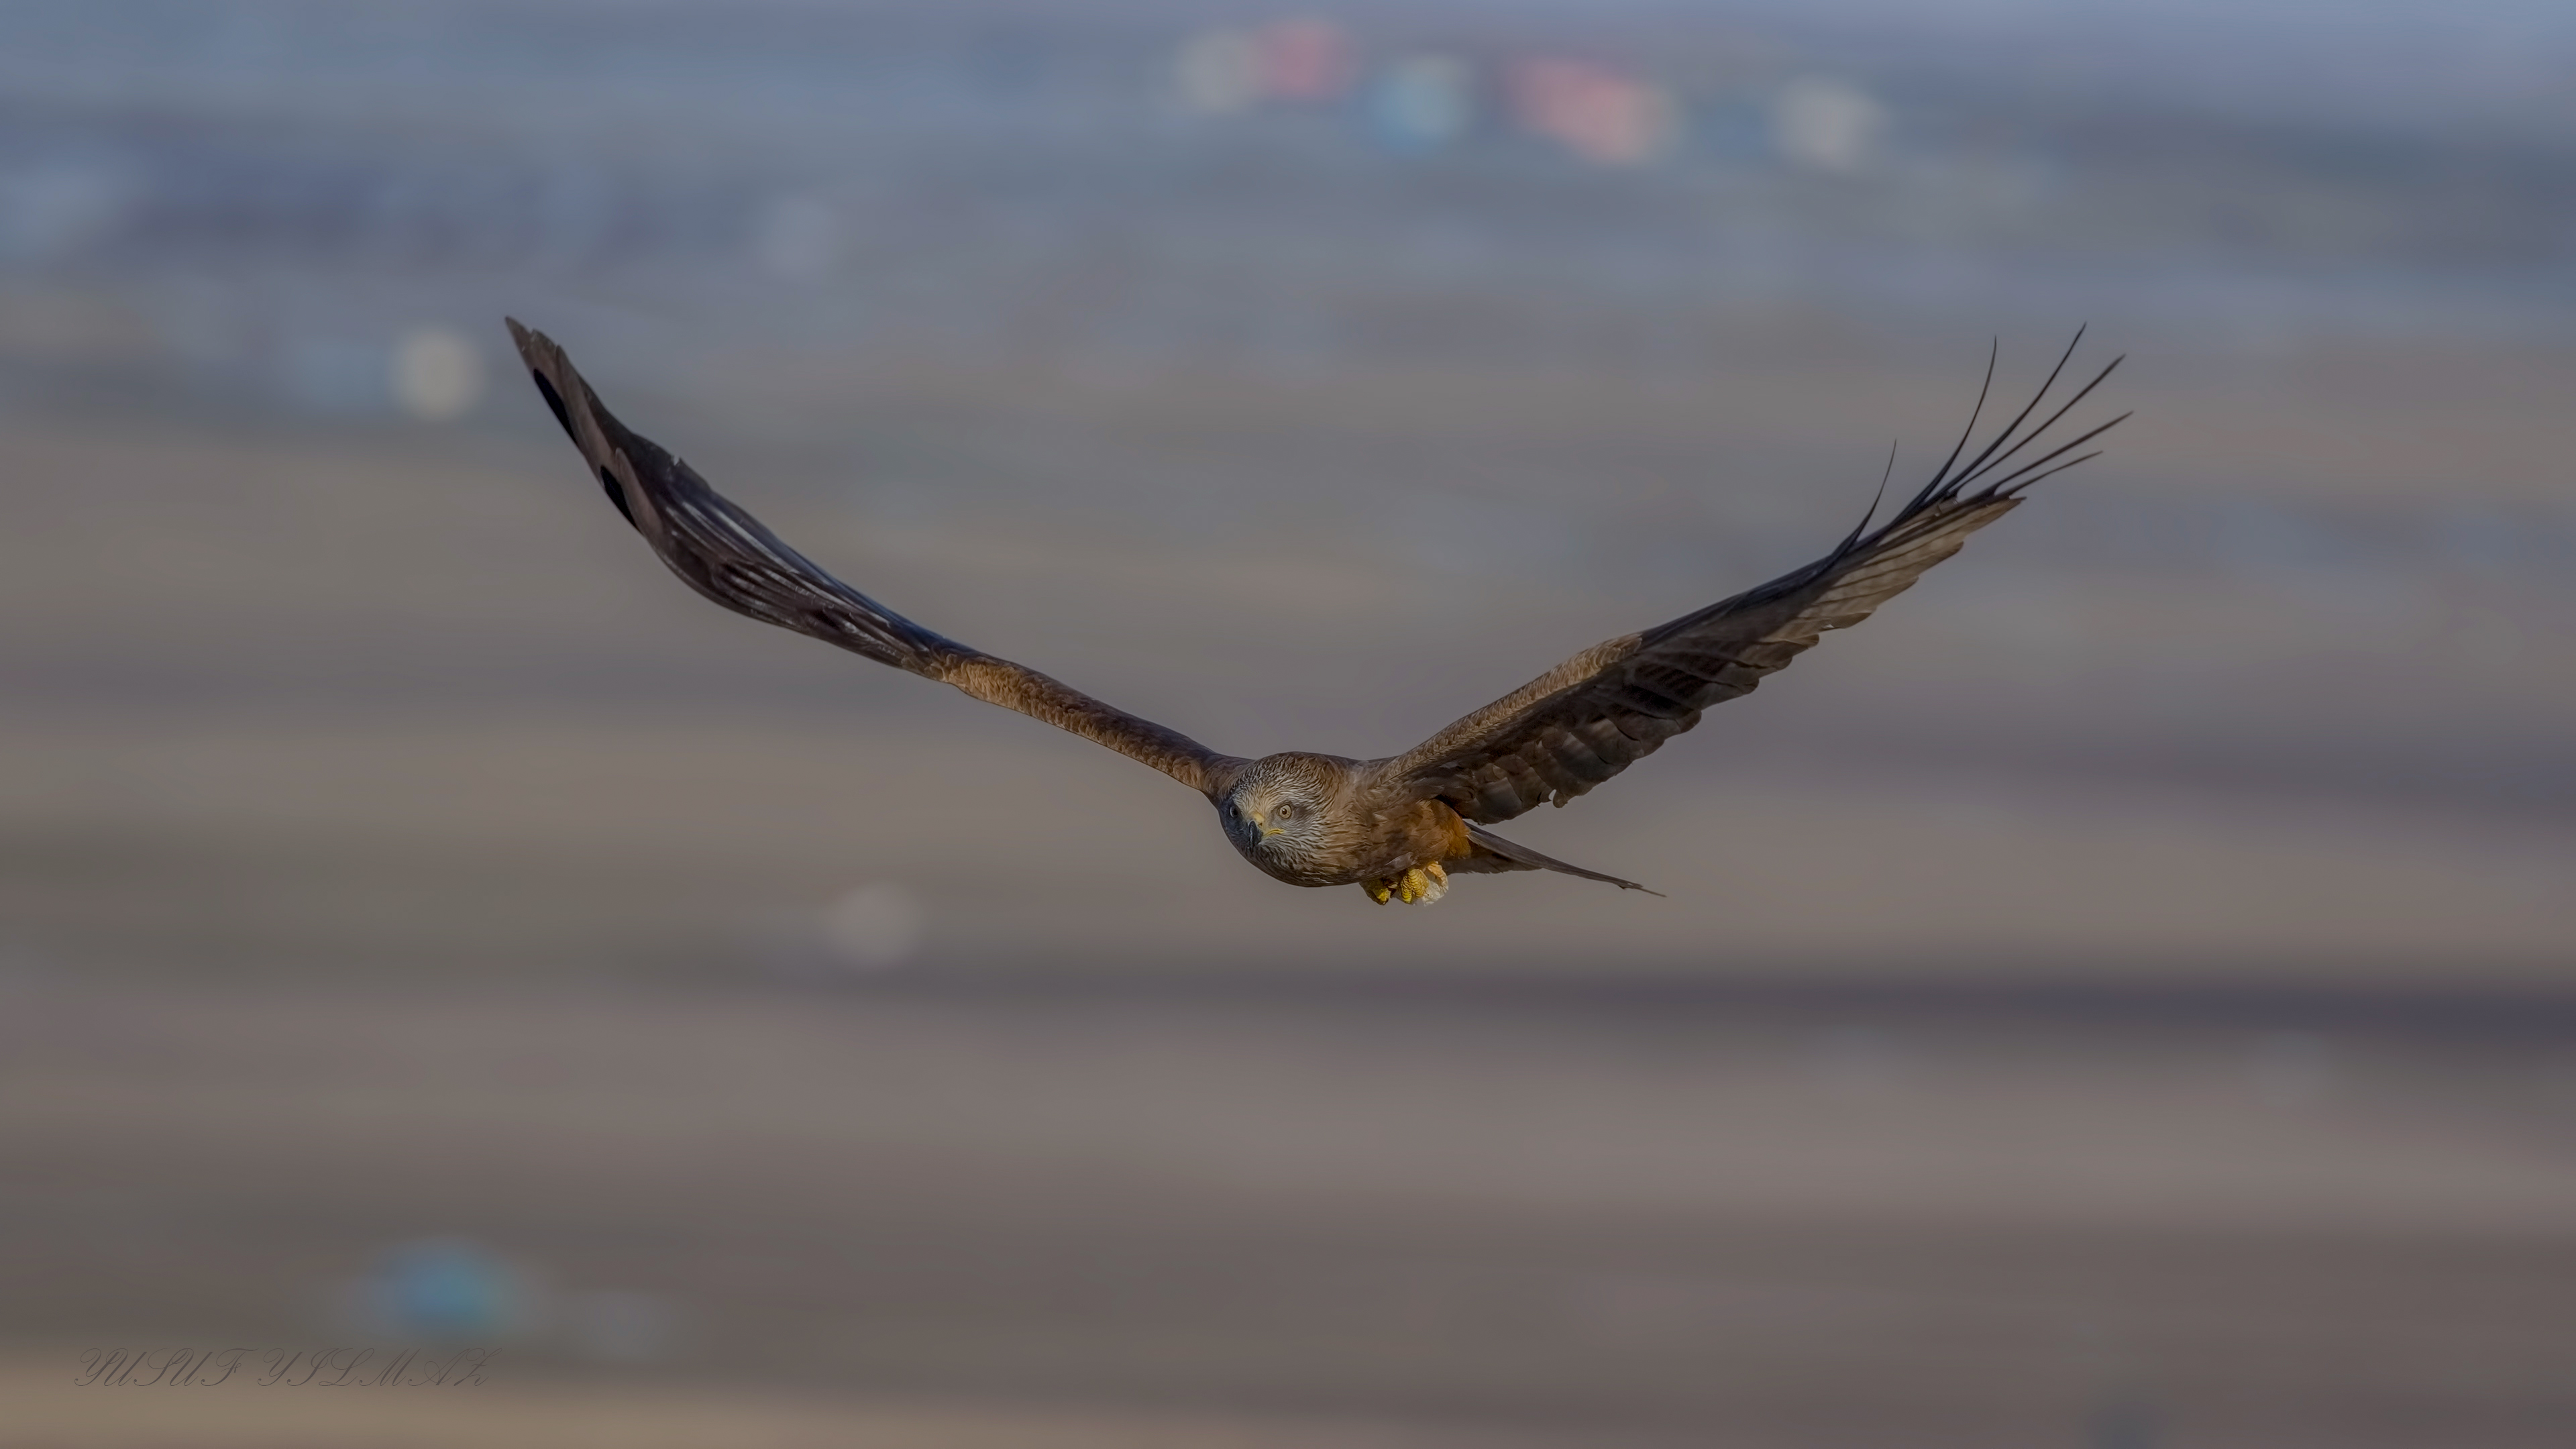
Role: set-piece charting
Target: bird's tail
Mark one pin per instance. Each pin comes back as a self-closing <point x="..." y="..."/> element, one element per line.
<point x="1521" y="857"/>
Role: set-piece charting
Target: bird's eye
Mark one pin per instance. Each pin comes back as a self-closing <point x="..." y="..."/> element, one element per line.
<point x="1287" y="812"/>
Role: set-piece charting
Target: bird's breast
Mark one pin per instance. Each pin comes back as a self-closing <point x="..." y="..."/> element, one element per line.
<point x="1362" y="845"/>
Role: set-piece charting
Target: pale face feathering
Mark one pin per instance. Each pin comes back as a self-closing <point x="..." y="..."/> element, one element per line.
<point x="1396" y="827"/>
<point x="1281" y="815"/>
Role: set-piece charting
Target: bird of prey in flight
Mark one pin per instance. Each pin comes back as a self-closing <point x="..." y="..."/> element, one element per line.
<point x="1397" y="827"/>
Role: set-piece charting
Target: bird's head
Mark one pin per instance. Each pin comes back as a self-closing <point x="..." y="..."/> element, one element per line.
<point x="1281" y="804"/>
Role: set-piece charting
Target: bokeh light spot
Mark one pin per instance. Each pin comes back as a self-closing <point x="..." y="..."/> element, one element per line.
<point x="437" y="375"/>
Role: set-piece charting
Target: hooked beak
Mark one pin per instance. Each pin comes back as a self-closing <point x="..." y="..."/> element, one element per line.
<point x="1261" y="823"/>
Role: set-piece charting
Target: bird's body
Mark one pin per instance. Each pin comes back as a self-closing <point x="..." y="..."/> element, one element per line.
<point x="1399" y="826"/>
<point x="1321" y="820"/>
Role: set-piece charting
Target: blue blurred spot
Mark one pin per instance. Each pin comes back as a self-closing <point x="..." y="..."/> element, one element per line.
<point x="1422" y="104"/>
<point x="446" y="1288"/>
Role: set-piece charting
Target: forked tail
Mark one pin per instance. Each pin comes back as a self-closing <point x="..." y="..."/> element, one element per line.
<point x="1526" y="858"/>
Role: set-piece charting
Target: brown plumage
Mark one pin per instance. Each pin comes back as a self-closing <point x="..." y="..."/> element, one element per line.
<point x="1397" y="826"/>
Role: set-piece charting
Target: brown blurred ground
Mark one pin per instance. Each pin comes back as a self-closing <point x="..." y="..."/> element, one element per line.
<point x="353" y="697"/>
<point x="1311" y="1217"/>
<point x="2092" y="1008"/>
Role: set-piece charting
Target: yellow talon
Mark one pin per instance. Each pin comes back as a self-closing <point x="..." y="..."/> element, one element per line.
<point x="1420" y="885"/>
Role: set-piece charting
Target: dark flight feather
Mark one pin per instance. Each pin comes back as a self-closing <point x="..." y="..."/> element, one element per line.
<point x="1591" y="717"/>
<point x="725" y="554"/>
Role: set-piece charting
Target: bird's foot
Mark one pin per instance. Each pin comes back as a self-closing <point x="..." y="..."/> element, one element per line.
<point x="1419" y="886"/>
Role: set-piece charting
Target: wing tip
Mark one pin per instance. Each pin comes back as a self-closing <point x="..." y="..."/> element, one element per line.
<point x="558" y="382"/>
<point x="543" y="356"/>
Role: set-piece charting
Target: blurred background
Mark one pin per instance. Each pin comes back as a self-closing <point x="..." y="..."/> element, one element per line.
<point x="2120" y="999"/>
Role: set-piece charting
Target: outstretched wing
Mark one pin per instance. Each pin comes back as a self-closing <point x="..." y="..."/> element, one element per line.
<point x="725" y="554"/>
<point x="1615" y="703"/>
